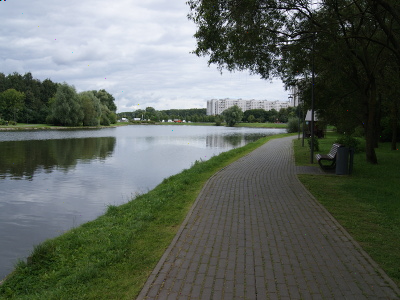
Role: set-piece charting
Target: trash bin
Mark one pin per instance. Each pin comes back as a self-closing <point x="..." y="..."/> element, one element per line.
<point x="342" y="161"/>
<point x="351" y="160"/>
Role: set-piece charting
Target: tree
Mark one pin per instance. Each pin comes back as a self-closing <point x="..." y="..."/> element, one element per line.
<point x="351" y="41"/>
<point x="66" y="108"/>
<point x="232" y="115"/>
<point x="151" y="114"/>
<point x="107" y="116"/>
<point x="106" y="99"/>
<point x="258" y="114"/>
<point x="91" y="108"/>
<point x="11" y="102"/>
<point x="272" y="115"/>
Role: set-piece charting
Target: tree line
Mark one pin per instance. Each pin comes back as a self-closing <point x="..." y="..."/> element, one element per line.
<point x="150" y="113"/>
<point x="348" y="50"/>
<point x="24" y="99"/>
<point x="200" y="115"/>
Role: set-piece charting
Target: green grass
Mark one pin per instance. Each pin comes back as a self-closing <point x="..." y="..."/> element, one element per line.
<point x="22" y="126"/>
<point x="25" y="126"/>
<point x="262" y="125"/>
<point x="366" y="203"/>
<point x="255" y="125"/>
<point x="112" y="256"/>
<point x="191" y="124"/>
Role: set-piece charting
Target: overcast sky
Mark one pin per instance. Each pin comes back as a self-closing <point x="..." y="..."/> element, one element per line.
<point x="138" y="50"/>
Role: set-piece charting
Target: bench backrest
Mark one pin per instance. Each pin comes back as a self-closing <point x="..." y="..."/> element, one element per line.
<point x="334" y="149"/>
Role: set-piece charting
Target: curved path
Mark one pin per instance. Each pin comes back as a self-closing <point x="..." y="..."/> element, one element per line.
<point x="256" y="233"/>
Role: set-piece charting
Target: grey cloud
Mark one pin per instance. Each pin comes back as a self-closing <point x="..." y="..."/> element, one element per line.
<point x="141" y="47"/>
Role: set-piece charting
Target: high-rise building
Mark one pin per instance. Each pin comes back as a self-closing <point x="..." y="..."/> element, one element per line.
<point x="217" y="106"/>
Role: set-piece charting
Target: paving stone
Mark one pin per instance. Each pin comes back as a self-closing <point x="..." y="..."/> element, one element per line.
<point x="196" y="291"/>
<point x="206" y="293"/>
<point x="255" y="232"/>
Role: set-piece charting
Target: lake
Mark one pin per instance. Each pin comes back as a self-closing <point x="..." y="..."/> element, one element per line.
<point x="53" y="180"/>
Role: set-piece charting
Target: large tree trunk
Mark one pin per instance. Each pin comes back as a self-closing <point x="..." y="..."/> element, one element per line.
<point x="371" y="126"/>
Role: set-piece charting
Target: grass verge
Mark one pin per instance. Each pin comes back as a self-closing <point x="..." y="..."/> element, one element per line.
<point x="24" y="126"/>
<point x="367" y="203"/>
<point x="262" y="125"/>
<point x="253" y="125"/>
<point x="112" y="256"/>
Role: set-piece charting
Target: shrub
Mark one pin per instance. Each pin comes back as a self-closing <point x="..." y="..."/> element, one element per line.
<point x="350" y="142"/>
<point x="387" y="130"/>
<point x="293" y="125"/>
<point x="104" y="121"/>
<point x="359" y="132"/>
<point x="316" y="143"/>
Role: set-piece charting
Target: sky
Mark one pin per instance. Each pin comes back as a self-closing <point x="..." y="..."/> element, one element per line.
<point x="137" y="50"/>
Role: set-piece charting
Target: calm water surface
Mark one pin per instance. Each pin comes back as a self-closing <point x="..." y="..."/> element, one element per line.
<point x="51" y="181"/>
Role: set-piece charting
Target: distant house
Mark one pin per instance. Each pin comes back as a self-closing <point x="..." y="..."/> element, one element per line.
<point x="136" y="119"/>
<point x="123" y="120"/>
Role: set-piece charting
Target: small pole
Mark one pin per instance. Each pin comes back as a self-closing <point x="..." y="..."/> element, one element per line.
<point x="312" y="103"/>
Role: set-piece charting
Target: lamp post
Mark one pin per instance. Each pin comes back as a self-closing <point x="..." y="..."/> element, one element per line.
<point x="292" y="97"/>
<point x="312" y="100"/>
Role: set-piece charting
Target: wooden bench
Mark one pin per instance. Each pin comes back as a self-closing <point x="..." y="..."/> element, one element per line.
<point x="331" y="156"/>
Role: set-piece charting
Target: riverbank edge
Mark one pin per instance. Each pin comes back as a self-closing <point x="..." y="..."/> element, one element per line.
<point x="49" y="127"/>
<point x="30" y="128"/>
<point x="154" y="217"/>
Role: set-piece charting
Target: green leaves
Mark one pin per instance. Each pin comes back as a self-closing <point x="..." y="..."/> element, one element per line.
<point x="66" y="108"/>
<point x="11" y="102"/>
<point x="91" y="107"/>
<point x="232" y="115"/>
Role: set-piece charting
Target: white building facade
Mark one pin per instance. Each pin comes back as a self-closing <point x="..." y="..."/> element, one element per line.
<point x="217" y="106"/>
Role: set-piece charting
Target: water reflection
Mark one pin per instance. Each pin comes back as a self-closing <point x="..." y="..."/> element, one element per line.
<point x="232" y="140"/>
<point x="20" y="160"/>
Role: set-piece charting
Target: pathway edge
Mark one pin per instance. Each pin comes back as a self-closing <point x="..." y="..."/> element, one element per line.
<point x="357" y="246"/>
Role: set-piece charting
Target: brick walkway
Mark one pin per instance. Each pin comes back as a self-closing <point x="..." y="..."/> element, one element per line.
<point x="256" y="233"/>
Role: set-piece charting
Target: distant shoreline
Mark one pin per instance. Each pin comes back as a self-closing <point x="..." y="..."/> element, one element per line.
<point x="37" y="127"/>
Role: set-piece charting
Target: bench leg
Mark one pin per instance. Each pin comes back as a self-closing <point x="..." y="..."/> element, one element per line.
<point x="327" y="167"/>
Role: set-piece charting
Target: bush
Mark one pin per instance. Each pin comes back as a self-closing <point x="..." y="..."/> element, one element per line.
<point x="316" y="143"/>
<point x="387" y="130"/>
<point x="293" y="125"/>
<point x="3" y="122"/>
<point x="359" y="132"/>
<point x="350" y="142"/>
<point x="12" y="123"/>
<point x="218" y="121"/>
<point x="104" y="121"/>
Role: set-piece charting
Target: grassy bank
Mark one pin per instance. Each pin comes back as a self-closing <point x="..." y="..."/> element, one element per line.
<point x="24" y="126"/>
<point x="367" y="203"/>
<point x="262" y="125"/>
<point x="112" y="256"/>
<point x="253" y="125"/>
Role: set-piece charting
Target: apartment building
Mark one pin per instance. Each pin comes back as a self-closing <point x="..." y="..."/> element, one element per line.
<point x="217" y="106"/>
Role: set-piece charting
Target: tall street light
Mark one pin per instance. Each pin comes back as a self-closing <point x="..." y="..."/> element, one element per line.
<point x="312" y="100"/>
